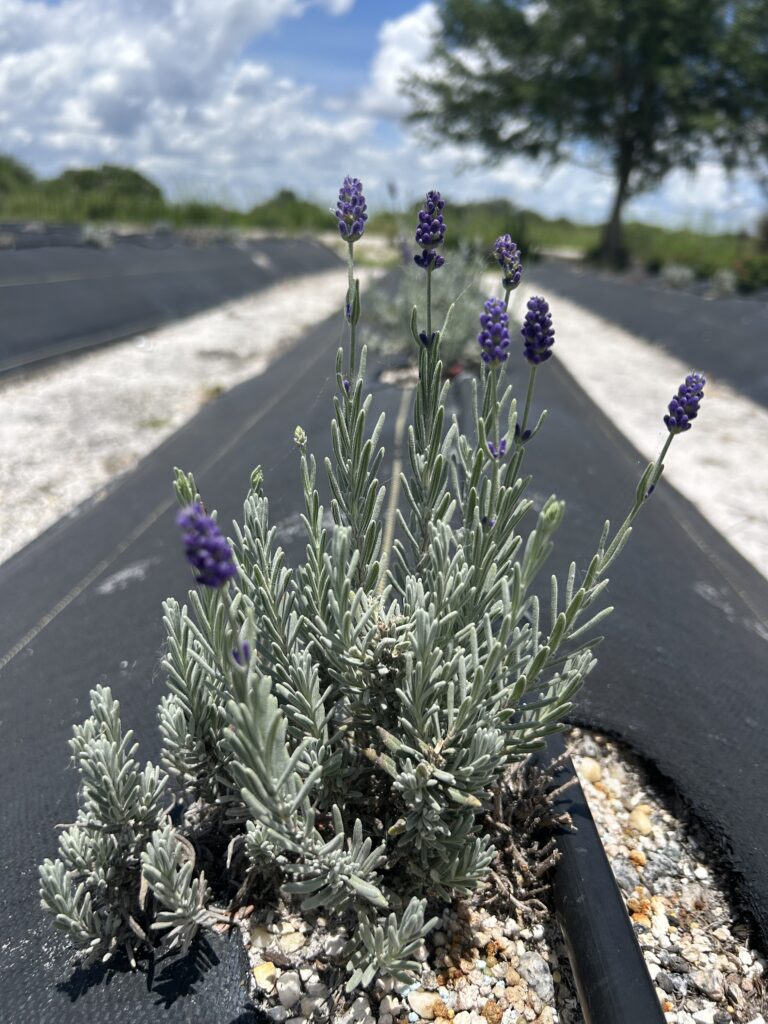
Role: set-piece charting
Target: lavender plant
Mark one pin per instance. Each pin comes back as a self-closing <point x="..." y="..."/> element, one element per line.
<point x="339" y="729"/>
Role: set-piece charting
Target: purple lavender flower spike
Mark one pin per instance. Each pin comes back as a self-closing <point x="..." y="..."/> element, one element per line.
<point x="684" y="407"/>
<point x="206" y="548"/>
<point x="351" y="210"/>
<point x="497" y="451"/>
<point x="494" y="335"/>
<point x="507" y="255"/>
<point x="430" y="232"/>
<point x="537" y="330"/>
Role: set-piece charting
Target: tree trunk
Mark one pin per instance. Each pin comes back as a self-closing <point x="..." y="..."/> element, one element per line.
<point x="612" y="249"/>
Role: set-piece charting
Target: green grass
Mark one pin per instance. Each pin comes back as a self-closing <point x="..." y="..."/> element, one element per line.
<point x="703" y="253"/>
<point x="118" y="194"/>
<point x="480" y="223"/>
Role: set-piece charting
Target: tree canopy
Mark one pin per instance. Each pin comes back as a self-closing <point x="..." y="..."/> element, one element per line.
<point x="638" y="86"/>
<point x="109" y="178"/>
<point x="14" y="175"/>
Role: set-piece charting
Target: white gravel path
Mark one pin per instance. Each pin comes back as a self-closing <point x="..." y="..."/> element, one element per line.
<point x="69" y="429"/>
<point x="720" y="465"/>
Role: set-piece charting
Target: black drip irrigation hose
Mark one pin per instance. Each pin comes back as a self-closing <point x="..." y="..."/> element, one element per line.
<point x="612" y="980"/>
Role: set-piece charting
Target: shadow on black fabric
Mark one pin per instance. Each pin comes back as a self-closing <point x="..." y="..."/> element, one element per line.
<point x="250" y="1015"/>
<point x="84" y="978"/>
<point x="181" y="974"/>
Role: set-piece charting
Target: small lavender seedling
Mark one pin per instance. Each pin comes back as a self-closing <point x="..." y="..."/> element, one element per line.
<point x="340" y="730"/>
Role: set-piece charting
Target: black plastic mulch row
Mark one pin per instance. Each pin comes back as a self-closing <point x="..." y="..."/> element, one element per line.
<point x="725" y="338"/>
<point x="61" y="300"/>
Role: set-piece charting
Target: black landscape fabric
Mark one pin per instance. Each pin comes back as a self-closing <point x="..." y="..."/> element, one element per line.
<point x="681" y="675"/>
<point x="57" y="300"/>
<point x="725" y="338"/>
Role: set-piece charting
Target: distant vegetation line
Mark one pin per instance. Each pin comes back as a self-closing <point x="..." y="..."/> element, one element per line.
<point x="119" y="194"/>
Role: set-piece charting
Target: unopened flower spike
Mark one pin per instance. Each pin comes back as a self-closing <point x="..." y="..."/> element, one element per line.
<point x="537" y="331"/>
<point x="497" y="451"/>
<point x="351" y="211"/>
<point x="684" y="407"/>
<point x="206" y="547"/>
<point x="430" y="232"/>
<point x="242" y="654"/>
<point x="507" y="255"/>
<point x="300" y="437"/>
<point x="493" y="338"/>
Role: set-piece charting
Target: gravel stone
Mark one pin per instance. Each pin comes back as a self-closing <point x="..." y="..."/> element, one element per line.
<point x="289" y="988"/>
<point x="709" y="982"/>
<point x="535" y="969"/>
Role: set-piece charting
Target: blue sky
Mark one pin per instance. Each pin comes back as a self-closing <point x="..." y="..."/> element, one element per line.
<point x="233" y="99"/>
<point x="333" y="51"/>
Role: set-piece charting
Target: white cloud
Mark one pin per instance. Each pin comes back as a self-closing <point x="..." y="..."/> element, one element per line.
<point x="404" y="44"/>
<point x="171" y="89"/>
<point x="166" y="87"/>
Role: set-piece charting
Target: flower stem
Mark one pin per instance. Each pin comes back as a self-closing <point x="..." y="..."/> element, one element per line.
<point x="350" y="306"/>
<point x="528" y="398"/>
<point x="429" y="306"/>
<point x="659" y="464"/>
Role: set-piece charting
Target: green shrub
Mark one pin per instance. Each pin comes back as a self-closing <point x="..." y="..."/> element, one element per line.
<point x="752" y="273"/>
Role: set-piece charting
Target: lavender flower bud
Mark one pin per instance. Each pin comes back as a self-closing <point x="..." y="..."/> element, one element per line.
<point x="351" y="210"/>
<point x="206" y="548"/>
<point x="430" y="231"/>
<point x="494" y="336"/>
<point x="684" y="407"/>
<point x="507" y="256"/>
<point x="497" y="451"/>
<point x="537" y="330"/>
<point x="429" y="258"/>
<point x="242" y="654"/>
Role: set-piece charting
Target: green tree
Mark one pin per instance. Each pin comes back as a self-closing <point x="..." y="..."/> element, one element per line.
<point x="14" y="176"/>
<point x="746" y="63"/>
<point x="122" y="182"/>
<point x="638" y="87"/>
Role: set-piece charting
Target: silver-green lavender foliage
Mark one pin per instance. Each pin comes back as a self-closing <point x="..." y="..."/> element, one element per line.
<point x="339" y="727"/>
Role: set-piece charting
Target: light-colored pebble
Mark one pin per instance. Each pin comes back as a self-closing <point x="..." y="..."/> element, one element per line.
<point x="423" y="1003"/>
<point x="265" y="975"/>
<point x="590" y="769"/>
<point x="640" y="821"/>
<point x="289" y="988"/>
